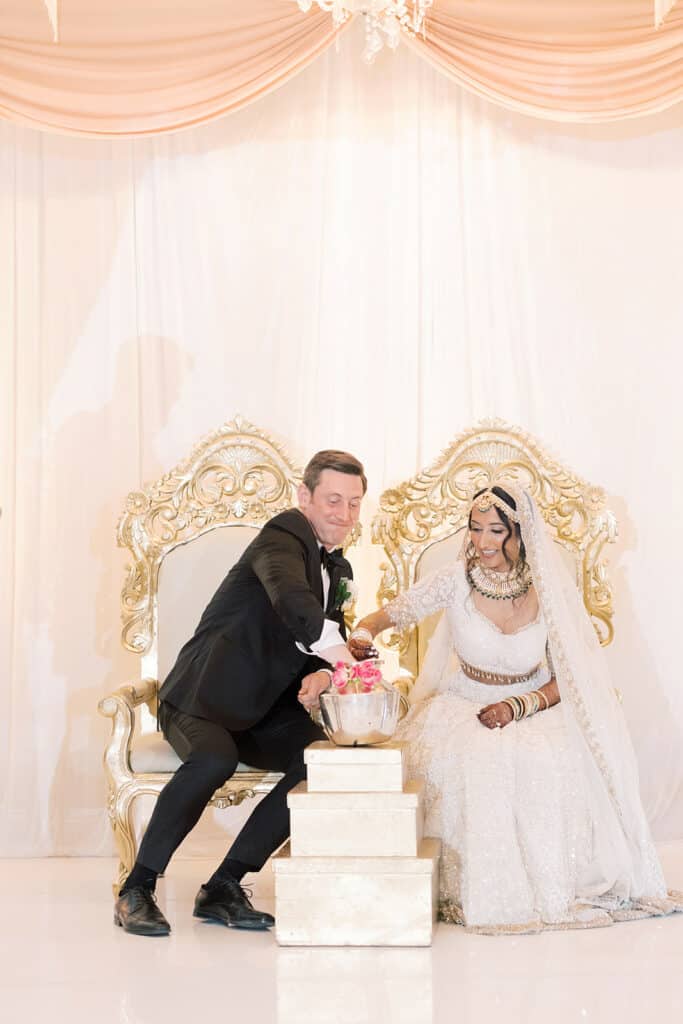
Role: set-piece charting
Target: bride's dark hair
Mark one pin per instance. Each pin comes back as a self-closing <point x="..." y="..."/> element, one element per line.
<point x="511" y="527"/>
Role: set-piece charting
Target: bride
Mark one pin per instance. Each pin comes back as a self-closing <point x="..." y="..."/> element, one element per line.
<point x="531" y="781"/>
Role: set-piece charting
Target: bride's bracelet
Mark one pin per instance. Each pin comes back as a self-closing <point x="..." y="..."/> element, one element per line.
<point x="527" y="704"/>
<point x="546" y="702"/>
<point x="362" y="634"/>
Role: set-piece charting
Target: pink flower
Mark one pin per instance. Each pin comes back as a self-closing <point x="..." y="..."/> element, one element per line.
<point x="340" y="676"/>
<point x="362" y="677"/>
<point x="368" y="672"/>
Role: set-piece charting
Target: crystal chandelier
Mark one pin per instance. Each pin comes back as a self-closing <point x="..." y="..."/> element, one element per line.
<point x="384" y="19"/>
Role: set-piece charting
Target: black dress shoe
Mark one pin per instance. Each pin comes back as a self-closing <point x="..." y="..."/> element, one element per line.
<point x="227" y="902"/>
<point x="136" y="911"/>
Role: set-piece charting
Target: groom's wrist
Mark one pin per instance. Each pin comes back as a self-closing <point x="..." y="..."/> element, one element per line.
<point x="328" y="673"/>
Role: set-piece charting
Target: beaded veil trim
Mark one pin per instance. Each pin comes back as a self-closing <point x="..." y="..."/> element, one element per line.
<point x="581" y="916"/>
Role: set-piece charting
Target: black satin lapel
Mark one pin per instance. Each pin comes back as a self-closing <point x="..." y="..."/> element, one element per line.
<point x="316" y="580"/>
<point x="335" y="576"/>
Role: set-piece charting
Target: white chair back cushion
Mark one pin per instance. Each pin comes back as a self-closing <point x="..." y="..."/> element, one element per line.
<point x="188" y="578"/>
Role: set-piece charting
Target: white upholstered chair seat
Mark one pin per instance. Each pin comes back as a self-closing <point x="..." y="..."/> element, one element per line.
<point x="153" y="753"/>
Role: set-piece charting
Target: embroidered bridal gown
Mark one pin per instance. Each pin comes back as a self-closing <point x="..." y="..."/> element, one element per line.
<point x="514" y="807"/>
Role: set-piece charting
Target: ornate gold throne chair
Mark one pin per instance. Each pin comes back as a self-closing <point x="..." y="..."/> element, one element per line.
<point x="420" y="523"/>
<point x="184" y="532"/>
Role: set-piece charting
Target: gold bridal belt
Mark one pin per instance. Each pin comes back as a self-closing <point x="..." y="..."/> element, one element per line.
<point x="481" y="676"/>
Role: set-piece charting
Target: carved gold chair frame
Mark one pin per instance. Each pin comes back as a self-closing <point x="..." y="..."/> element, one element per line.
<point x="238" y="476"/>
<point x="434" y="505"/>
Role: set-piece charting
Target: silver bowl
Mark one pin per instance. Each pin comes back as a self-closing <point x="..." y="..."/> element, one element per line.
<point x="360" y="719"/>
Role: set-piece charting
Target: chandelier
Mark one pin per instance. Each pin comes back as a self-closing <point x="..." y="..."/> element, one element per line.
<point x="384" y="19"/>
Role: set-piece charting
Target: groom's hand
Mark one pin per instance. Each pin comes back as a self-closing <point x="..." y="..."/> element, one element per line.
<point x="312" y="686"/>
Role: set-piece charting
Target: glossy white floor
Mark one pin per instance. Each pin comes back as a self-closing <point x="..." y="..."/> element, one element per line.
<point x="62" y="959"/>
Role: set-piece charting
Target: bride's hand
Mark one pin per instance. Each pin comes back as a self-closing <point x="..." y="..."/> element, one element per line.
<point x="496" y="716"/>
<point x="361" y="649"/>
<point x="361" y="644"/>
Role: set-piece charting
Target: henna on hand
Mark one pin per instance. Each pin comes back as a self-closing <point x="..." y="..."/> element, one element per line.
<point x="495" y="716"/>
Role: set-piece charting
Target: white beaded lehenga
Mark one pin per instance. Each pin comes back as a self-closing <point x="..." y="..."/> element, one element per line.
<point x="540" y="822"/>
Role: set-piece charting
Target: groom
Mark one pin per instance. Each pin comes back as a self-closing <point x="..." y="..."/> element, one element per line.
<point x="241" y="689"/>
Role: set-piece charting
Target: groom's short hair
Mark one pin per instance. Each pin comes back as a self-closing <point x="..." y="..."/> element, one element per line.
<point x="330" y="458"/>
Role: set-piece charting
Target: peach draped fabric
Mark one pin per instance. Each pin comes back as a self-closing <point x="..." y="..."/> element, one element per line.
<point x="567" y="60"/>
<point x="139" y="67"/>
<point x="133" y="67"/>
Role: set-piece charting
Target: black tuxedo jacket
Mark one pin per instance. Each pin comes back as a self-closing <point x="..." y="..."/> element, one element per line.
<point x="243" y="654"/>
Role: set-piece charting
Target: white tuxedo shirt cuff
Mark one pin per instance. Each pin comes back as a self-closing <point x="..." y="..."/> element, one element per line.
<point x="330" y="637"/>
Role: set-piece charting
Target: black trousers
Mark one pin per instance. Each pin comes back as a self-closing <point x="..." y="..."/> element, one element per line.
<point x="210" y="755"/>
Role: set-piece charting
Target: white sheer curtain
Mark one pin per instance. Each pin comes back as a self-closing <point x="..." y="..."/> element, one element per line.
<point x="368" y="258"/>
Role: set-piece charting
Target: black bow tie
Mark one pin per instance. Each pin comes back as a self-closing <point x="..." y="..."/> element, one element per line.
<point x="330" y="559"/>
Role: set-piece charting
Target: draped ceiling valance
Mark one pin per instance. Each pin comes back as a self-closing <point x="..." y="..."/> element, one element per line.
<point x="139" y="67"/>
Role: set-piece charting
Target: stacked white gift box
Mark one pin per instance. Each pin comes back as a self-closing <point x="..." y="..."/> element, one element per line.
<point x="357" y="870"/>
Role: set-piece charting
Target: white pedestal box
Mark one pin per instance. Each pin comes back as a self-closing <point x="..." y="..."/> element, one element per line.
<point x="355" y="824"/>
<point x="357" y="870"/>
<point x="332" y="769"/>
<point x="356" y="901"/>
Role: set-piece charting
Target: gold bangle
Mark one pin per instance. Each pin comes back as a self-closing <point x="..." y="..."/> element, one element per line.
<point x="361" y="633"/>
<point x="518" y="705"/>
<point x="547" y="702"/>
<point x="508" y="701"/>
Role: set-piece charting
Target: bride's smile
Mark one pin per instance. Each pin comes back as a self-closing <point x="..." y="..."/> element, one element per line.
<point x="495" y="545"/>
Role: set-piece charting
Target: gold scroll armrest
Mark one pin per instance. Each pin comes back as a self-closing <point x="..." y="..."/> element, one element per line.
<point x="120" y="707"/>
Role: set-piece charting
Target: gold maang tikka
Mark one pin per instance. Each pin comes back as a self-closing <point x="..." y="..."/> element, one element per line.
<point x="487" y="499"/>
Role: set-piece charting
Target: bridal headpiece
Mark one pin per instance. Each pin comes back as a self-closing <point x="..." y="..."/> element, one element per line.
<point x="488" y="498"/>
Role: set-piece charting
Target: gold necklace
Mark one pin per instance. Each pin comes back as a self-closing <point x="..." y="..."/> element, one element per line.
<point x="500" y="586"/>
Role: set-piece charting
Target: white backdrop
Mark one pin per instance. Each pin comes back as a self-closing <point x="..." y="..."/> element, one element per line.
<point x="367" y="258"/>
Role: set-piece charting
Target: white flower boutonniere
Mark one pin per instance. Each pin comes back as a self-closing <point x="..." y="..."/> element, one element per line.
<point x="346" y="594"/>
